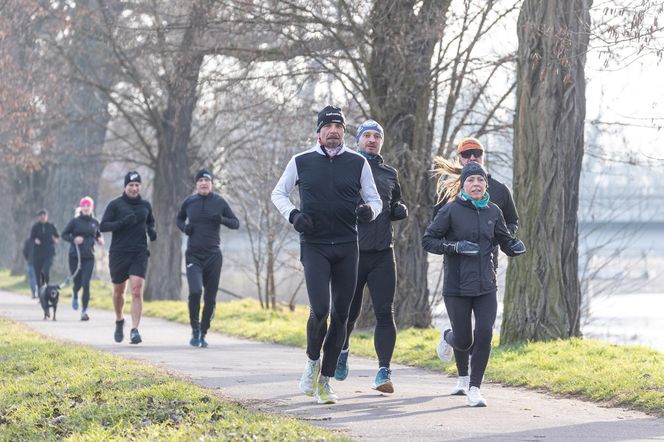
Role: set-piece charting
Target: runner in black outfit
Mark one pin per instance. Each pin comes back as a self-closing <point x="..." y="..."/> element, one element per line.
<point x="45" y="236"/>
<point x="130" y="219"/>
<point x="466" y="231"/>
<point x="470" y="150"/>
<point x="82" y="230"/>
<point x="331" y="179"/>
<point x="28" y="246"/>
<point x="377" y="267"/>
<point x="200" y="217"/>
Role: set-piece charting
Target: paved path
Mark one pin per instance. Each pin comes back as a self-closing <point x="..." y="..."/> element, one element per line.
<point x="265" y="376"/>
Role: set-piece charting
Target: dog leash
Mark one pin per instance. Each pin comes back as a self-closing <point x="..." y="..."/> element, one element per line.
<point x="71" y="277"/>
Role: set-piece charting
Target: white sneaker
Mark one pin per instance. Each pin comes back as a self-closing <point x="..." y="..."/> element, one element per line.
<point x="475" y="398"/>
<point x="444" y="350"/>
<point x="309" y="377"/>
<point x="461" y="388"/>
<point x="324" y="392"/>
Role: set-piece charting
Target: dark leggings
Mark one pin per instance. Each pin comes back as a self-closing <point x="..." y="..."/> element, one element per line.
<point x="82" y="278"/>
<point x="464" y="340"/>
<point x="203" y="273"/>
<point x="378" y="271"/>
<point x="42" y="267"/>
<point x="328" y="267"/>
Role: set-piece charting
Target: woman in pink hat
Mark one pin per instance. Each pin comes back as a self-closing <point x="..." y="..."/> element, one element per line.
<point x="82" y="231"/>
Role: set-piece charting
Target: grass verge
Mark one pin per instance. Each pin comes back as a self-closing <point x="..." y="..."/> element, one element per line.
<point x="628" y="376"/>
<point x="53" y="391"/>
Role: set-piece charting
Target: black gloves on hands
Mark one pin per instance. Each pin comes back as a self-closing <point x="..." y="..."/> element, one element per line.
<point x="217" y="218"/>
<point x="301" y="221"/>
<point x="364" y="213"/>
<point x="517" y="247"/>
<point x="399" y="211"/>
<point x="152" y="233"/>
<point x="188" y="229"/>
<point x="129" y="220"/>
<point x="466" y="248"/>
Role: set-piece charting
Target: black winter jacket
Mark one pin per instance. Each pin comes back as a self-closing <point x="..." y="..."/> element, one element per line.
<point x="129" y="232"/>
<point x="378" y="234"/>
<point x="205" y="214"/>
<point x="461" y="220"/>
<point x="46" y="233"/>
<point x="88" y="228"/>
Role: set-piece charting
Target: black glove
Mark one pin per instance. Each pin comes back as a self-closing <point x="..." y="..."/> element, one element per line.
<point x="466" y="248"/>
<point x="188" y="229"/>
<point x="517" y="247"/>
<point x="217" y="218"/>
<point x="129" y="220"/>
<point x="152" y="233"/>
<point x="301" y="221"/>
<point x="399" y="211"/>
<point x="364" y="213"/>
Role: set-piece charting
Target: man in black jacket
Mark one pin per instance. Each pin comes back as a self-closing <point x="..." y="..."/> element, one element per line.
<point x="200" y="217"/>
<point x="44" y="236"/>
<point x="331" y="179"/>
<point x="130" y="219"/>
<point x="377" y="267"/>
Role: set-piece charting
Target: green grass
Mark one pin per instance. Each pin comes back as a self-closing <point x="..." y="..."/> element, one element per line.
<point x="627" y="376"/>
<point x="53" y="391"/>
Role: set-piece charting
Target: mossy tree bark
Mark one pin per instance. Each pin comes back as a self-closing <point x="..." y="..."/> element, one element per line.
<point x="543" y="296"/>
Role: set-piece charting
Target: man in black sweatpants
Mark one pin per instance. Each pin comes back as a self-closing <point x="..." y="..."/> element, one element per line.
<point x="377" y="267"/>
<point x="200" y="217"/>
<point x="130" y="219"/>
<point x="331" y="179"/>
<point x="44" y="236"/>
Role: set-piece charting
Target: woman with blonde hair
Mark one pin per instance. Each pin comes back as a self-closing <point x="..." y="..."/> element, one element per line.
<point x="466" y="230"/>
<point x="82" y="232"/>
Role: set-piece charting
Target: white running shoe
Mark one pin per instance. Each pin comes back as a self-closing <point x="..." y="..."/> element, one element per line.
<point x="461" y="387"/>
<point x="475" y="398"/>
<point x="324" y="392"/>
<point x="309" y="377"/>
<point x="444" y="350"/>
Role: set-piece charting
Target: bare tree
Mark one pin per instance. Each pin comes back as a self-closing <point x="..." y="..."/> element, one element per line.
<point x="543" y="297"/>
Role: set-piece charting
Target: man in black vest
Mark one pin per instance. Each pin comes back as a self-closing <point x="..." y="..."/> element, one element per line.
<point x="331" y="179"/>
<point x="377" y="267"/>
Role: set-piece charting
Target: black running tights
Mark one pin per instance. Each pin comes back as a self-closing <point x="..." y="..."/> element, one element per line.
<point x="464" y="340"/>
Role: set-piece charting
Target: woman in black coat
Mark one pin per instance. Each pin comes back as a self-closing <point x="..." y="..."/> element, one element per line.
<point x="82" y="231"/>
<point x="466" y="230"/>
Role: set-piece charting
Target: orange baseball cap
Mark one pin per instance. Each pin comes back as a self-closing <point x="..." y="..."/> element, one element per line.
<point x="469" y="143"/>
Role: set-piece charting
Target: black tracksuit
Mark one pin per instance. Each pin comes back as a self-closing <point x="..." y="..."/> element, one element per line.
<point x="131" y="221"/>
<point x="201" y="217"/>
<point x="330" y="188"/>
<point x="43" y="253"/>
<point x="470" y="281"/>
<point x="377" y="267"/>
<point x="88" y="228"/>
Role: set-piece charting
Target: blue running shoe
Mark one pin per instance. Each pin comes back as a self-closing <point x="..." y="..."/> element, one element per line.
<point x="341" y="371"/>
<point x="383" y="383"/>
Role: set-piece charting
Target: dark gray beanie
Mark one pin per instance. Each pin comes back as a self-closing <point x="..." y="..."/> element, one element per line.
<point x="473" y="168"/>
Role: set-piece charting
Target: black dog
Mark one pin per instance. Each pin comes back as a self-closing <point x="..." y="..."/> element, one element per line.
<point x="49" y="295"/>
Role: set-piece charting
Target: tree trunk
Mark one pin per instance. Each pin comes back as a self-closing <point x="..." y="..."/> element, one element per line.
<point x="172" y="178"/>
<point x="543" y="296"/>
<point x="399" y="95"/>
<point x="77" y="161"/>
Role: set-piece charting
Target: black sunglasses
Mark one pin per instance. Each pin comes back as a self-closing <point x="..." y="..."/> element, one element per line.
<point x="475" y="152"/>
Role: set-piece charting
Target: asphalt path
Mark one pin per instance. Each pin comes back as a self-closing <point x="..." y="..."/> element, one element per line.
<point x="265" y="377"/>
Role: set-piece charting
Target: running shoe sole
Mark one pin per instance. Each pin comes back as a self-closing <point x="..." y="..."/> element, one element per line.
<point x="387" y="387"/>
